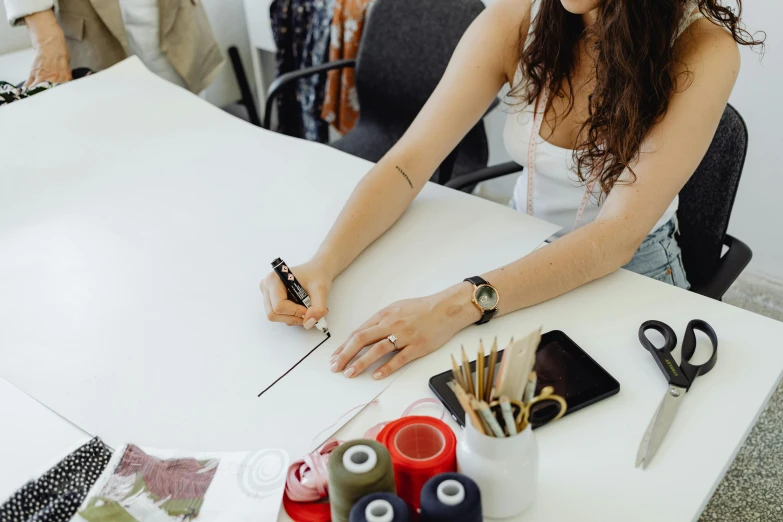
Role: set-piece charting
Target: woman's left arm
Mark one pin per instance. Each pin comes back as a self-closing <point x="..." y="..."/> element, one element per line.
<point x="707" y="69"/>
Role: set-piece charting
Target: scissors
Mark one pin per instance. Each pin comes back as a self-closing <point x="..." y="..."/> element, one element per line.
<point x="680" y="376"/>
<point x="526" y="413"/>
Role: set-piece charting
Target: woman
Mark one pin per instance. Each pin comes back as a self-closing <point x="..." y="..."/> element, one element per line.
<point x="171" y="37"/>
<point x="629" y="96"/>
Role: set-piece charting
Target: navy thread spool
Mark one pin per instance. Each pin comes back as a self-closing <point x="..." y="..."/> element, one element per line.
<point x="450" y="497"/>
<point x="356" y="469"/>
<point x="380" y="507"/>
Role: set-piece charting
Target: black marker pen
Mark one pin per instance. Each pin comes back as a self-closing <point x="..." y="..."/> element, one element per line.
<point x="295" y="290"/>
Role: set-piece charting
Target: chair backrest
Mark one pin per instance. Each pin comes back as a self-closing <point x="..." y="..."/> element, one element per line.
<point x="708" y="197"/>
<point x="404" y="52"/>
<point x="405" y="49"/>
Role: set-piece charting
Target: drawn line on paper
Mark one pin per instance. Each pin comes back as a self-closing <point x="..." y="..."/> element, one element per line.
<point x="308" y="354"/>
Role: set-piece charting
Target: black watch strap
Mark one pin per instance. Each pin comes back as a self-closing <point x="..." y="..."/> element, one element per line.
<point x="488" y="314"/>
<point x="477" y="280"/>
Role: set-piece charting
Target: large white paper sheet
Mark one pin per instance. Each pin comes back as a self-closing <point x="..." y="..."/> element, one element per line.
<point x="135" y="223"/>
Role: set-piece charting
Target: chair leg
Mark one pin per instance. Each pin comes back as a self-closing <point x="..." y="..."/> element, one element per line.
<point x="244" y="86"/>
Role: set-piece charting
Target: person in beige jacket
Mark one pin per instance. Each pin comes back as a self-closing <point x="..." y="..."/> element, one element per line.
<point x="172" y="38"/>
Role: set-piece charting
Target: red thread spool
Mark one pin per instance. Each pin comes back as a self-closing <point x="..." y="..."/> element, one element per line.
<point x="420" y="448"/>
<point x="307" y="511"/>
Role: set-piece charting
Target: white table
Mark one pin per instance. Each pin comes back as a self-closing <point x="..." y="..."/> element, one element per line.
<point x="15" y="66"/>
<point x="586" y="470"/>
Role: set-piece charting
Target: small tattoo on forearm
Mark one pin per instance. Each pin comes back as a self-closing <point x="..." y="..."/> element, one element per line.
<point x="406" y="176"/>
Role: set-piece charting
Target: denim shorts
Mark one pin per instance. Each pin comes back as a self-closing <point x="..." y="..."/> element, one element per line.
<point x="659" y="257"/>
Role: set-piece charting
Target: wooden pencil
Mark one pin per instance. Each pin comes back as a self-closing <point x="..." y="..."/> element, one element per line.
<point x="457" y="372"/>
<point x="467" y="374"/>
<point x="474" y="403"/>
<point x="464" y="401"/>
<point x="493" y="359"/>
<point x="480" y="391"/>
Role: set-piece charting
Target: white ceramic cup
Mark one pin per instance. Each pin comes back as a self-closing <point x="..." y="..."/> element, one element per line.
<point x="505" y="469"/>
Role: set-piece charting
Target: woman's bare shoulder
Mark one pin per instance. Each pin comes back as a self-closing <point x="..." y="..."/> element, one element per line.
<point x="510" y="18"/>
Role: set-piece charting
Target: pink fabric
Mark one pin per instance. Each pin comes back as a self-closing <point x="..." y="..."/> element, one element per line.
<point x="308" y="478"/>
<point x="178" y="479"/>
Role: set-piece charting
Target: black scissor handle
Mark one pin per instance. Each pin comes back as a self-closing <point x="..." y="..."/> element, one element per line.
<point x="669" y="337"/>
<point x="663" y="355"/>
<point x="692" y="371"/>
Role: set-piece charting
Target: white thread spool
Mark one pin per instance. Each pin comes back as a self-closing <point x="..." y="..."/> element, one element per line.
<point x="360" y="459"/>
<point x="450" y="493"/>
<point x="379" y="510"/>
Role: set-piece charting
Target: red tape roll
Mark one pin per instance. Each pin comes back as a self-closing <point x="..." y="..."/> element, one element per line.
<point x="307" y="511"/>
<point x="420" y="447"/>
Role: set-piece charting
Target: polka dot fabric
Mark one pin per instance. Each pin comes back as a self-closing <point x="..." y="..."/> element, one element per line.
<point x="57" y="495"/>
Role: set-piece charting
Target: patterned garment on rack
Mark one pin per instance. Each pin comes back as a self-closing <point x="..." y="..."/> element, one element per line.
<point x="341" y="104"/>
<point x="59" y="492"/>
<point x="301" y="31"/>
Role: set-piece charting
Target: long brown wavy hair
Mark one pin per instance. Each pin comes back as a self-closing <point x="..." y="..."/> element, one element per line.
<point x="634" y="72"/>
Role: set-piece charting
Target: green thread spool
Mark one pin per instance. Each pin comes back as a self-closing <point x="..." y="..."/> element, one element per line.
<point x="358" y="468"/>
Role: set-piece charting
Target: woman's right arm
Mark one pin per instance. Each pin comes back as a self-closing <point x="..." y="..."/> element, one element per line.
<point x="484" y="60"/>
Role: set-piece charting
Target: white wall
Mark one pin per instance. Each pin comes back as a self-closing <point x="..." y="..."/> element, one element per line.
<point x="11" y="38"/>
<point x="757" y="212"/>
<point x="228" y="23"/>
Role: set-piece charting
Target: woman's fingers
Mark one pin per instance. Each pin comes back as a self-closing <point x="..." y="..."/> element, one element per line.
<point x="403" y="357"/>
<point x="290" y="320"/>
<point x="355" y="344"/>
<point x="277" y="305"/>
<point x="375" y="352"/>
<point x="278" y="296"/>
<point x="318" y="308"/>
<point x="372" y="321"/>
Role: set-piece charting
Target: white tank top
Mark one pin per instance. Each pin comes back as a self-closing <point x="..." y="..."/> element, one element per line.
<point x="558" y="193"/>
<point x="142" y="24"/>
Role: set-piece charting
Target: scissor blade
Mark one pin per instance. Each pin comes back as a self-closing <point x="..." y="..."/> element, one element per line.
<point x="659" y="425"/>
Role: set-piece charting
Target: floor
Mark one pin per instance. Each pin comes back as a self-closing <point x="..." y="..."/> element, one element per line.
<point x="752" y="490"/>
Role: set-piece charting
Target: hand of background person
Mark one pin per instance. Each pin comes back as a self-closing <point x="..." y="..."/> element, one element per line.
<point x="52" y="60"/>
<point x="278" y="305"/>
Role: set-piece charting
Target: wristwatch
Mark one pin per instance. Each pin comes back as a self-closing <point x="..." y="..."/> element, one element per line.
<point x="485" y="297"/>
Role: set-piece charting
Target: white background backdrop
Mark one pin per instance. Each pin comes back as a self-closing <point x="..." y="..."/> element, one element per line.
<point x="757" y="96"/>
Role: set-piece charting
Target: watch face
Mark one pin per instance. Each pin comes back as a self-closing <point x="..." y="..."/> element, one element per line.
<point x="486" y="297"/>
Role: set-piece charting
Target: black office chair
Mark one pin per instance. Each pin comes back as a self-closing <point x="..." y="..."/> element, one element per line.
<point x="404" y="52"/>
<point x="244" y="86"/>
<point x="705" y="208"/>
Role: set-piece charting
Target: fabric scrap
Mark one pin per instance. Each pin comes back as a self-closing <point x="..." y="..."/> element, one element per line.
<point x="59" y="492"/>
<point x="10" y="93"/>
<point x="153" y="485"/>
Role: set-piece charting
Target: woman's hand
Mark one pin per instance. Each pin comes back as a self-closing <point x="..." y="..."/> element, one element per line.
<point x="280" y="309"/>
<point x="52" y="60"/>
<point x="421" y="326"/>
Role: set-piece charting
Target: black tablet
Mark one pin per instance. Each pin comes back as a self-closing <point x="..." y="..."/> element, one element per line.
<point x="560" y="363"/>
